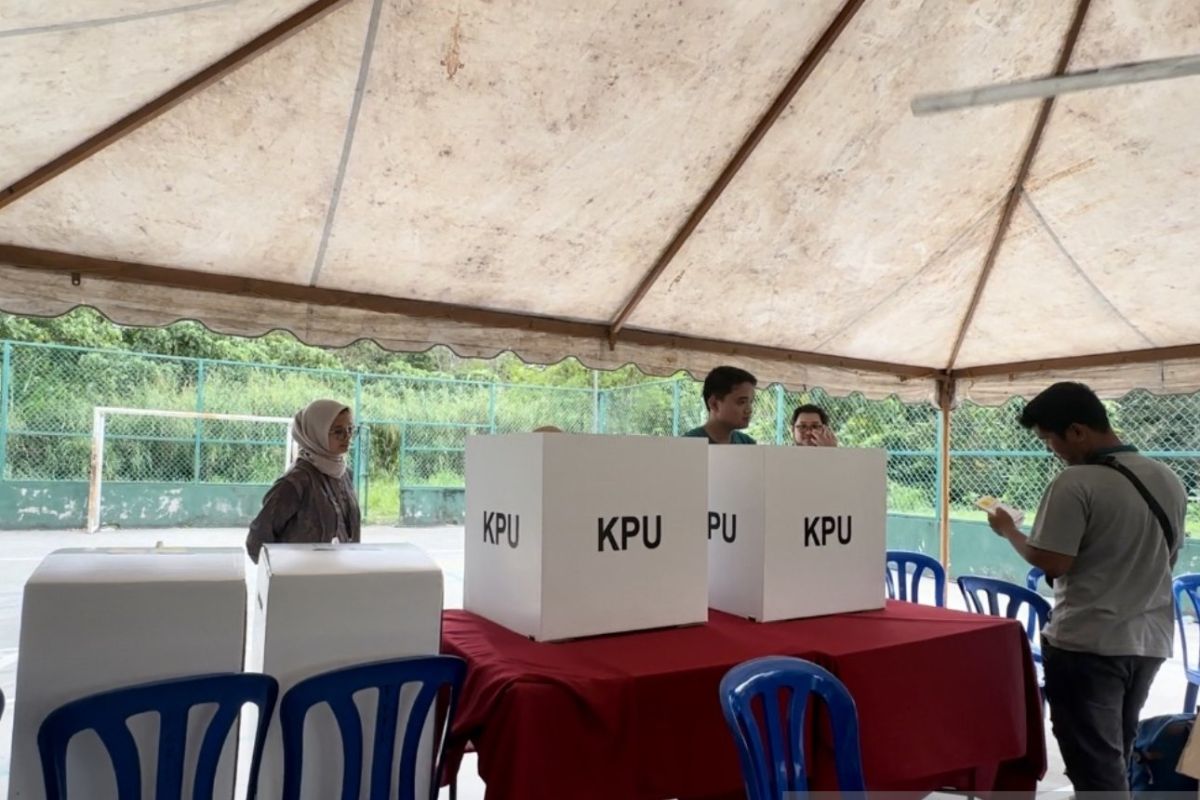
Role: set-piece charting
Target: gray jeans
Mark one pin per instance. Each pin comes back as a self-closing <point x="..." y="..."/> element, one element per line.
<point x="1094" y="706"/>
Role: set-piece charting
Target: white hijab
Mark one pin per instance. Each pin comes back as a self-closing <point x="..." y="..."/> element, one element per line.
<point x="311" y="432"/>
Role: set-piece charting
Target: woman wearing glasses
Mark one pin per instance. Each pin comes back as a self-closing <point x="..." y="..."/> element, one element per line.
<point x="314" y="501"/>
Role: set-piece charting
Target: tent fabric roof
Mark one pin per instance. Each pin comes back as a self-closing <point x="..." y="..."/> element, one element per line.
<point x="496" y="175"/>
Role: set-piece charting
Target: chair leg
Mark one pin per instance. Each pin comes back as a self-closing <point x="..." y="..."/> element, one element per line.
<point x="1189" y="699"/>
<point x="454" y="789"/>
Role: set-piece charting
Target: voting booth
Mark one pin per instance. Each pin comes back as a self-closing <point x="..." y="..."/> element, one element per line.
<point x="796" y="531"/>
<point x="320" y="607"/>
<point x="577" y="535"/>
<point x="94" y="620"/>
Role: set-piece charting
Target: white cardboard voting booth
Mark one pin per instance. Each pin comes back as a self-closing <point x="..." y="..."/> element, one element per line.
<point x="577" y="535"/>
<point x="796" y="531"/>
<point x="319" y="607"/>
<point x="94" y="620"/>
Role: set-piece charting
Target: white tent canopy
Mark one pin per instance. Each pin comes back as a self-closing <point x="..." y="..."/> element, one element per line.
<point x="674" y="184"/>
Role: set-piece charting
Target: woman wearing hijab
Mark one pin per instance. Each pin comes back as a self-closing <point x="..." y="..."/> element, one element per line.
<point x="314" y="501"/>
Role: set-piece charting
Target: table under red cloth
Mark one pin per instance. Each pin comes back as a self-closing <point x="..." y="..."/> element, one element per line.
<point x="945" y="699"/>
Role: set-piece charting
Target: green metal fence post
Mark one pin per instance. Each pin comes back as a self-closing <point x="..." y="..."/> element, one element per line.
<point x="5" y="394"/>
<point x="779" y="413"/>
<point x="196" y="455"/>
<point x="675" y="408"/>
<point x="492" y="407"/>
<point x="596" y="428"/>
<point x="360" y="472"/>
<point x="400" y="478"/>
<point x="362" y="460"/>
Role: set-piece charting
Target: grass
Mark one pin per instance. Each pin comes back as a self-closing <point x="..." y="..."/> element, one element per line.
<point x="383" y="501"/>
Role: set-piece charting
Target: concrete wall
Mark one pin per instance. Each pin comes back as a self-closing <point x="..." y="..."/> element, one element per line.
<point x="63" y="504"/>
<point x="974" y="548"/>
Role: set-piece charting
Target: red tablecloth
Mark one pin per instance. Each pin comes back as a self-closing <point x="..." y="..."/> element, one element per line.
<point x="944" y="699"/>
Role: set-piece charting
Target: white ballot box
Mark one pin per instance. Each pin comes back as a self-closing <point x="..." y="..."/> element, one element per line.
<point x="95" y="620"/>
<point x="320" y="607"/>
<point x="796" y="531"/>
<point x="577" y="535"/>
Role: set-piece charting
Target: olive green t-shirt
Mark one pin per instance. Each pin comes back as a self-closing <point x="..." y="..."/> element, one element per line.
<point x="736" y="438"/>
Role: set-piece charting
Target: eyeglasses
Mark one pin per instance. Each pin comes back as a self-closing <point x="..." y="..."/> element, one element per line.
<point x="344" y="433"/>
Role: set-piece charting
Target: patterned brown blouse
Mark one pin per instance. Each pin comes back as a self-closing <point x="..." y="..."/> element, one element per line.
<point x="306" y="505"/>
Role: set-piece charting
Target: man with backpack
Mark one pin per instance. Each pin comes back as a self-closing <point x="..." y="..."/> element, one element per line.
<point x="1107" y="533"/>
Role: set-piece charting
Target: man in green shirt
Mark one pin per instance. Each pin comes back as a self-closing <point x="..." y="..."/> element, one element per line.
<point x="729" y="398"/>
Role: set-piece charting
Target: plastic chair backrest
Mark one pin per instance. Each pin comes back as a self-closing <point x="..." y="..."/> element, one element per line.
<point x="908" y="588"/>
<point x="107" y="714"/>
<point x="1032" y="577"/>
<point x="765" y="703"/>
<point x="1036" y="609"/>
<point x="1186" y="586"/>
<point x="431" y="674"/>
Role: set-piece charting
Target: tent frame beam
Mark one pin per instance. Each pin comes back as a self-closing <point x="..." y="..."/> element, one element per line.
<point x="1013" y="197"/>
<point x="1116" y="359"/>
<point x="1162" y="69"/>
<point x="164" y="102"/>
<point x="803" y="72"/>
<point x="78" y="267"/>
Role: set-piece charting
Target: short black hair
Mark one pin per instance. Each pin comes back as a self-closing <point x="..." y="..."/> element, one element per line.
<point x="722" y="380"/>
<point x="1063" y="405"/>
<point x="809" y="408"/>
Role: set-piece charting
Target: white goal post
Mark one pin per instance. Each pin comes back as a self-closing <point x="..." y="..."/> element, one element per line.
<point x="100" y="415"/>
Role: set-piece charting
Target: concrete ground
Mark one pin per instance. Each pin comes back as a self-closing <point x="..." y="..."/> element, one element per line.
<point x="20" y="553"/>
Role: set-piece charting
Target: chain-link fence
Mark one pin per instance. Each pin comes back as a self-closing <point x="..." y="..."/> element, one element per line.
<point x="992" y="454"/>
<point x="408" y="454"/>
<point x="140" y="448"/>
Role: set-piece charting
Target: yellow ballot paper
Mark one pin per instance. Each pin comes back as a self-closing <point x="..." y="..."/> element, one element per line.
<point x="990" y="504"/>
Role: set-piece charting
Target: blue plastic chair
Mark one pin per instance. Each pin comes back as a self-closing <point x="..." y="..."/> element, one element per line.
<point x="1189" y="586"/>
<point x="1024" y="605"/>
<point x="770" y="746"/>
<point x="432" y="674"/>
<point x="1032" y="577"/>
<point x="107" y="714"/>
<point x="908" y="588"/>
